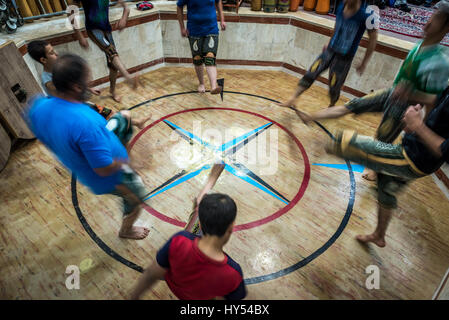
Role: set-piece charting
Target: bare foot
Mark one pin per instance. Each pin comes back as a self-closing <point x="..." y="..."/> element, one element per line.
<point x="136" y="233"/>
<point x="141" y="123"/>
<point x="134" y="82"/>
<point x="201" y="88"/>
<point x="216" y="90"/>
<point x="372" y="238"/>
<point x="116" y="97"/>
<point x="369" y="175"/>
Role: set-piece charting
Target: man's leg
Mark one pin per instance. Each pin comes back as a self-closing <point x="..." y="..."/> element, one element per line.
<point x="387" y="188"/>
<point x="378" y="236"/>
<point x="199" y="69"/>
<point x="105" y="42"/>
<point x="198" y="61"/>
<point x="373" y="102"/>
<point x="321" y="64"/>
<point x="132" y="192"/>
<point x="338" y="71"/>
<point x="209" y="52"/>
<point x="395" y="170"/>
<point x="113" y="79"/>
<point x="131" y="214"/>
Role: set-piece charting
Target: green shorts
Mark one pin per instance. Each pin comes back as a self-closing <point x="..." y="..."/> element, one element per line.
<point x="381" y="101"/>
<point x="121" y="126"/>
<point x="133" y="182"/>
<point x="390" y="161"/>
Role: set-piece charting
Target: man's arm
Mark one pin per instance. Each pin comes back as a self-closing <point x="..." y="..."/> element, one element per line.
<point x="219" y="7"/>
<point x="372" y="34"/>
<point x="121" y="24"/>
<point x="216" y="171"/>
<point x="180" y="14"/>
<point x="152" y="274"/>
<point x="414" y="123"/>
<point x="78" y="35"/>
<point x="109" y="170"/>
<point x="51" y="89"/>
<point x="328" y="113"/>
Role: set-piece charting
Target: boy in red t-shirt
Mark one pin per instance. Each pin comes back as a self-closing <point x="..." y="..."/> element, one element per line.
<point x="197" y="268"/>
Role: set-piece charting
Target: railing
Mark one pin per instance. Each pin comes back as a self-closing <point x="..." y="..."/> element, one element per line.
<point x="53" y="14"/>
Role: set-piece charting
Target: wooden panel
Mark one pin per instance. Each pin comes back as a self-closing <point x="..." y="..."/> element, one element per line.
<point x="15" y="71"/>
<point x="5" y="147"/>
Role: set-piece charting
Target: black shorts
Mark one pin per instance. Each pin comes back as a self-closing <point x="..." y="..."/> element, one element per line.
<point x="338" y="66"/>
<point x="105" y="42"/>
<point x="201" y="46"/>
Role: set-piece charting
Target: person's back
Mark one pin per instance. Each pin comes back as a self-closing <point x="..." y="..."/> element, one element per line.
<point x="192" y="275"/>
<point x="67" y="129"/>
<point x="197" y="268"/>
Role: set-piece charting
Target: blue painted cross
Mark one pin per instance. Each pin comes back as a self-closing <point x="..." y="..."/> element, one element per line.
<point x="224" y="151"/>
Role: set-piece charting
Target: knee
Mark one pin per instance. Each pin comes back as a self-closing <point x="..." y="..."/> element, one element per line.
<point x="126" y="114"/>
<point x="197" y="60"/>
<point x="209" y="59"/>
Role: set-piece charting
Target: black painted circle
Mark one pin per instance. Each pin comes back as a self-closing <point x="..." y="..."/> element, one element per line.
<point x="253" y="280"/>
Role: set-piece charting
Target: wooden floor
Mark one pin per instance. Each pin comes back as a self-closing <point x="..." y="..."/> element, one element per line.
<point x="41" y="234"/>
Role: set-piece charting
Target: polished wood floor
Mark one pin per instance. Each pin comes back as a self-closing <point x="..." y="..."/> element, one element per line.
<point x="40" y="233"/>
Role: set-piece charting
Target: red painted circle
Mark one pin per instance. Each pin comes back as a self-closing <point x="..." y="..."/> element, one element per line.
<point x="277" y="214"/>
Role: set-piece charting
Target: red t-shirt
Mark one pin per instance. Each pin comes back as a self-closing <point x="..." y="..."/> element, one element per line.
<point x="192" y="275"/>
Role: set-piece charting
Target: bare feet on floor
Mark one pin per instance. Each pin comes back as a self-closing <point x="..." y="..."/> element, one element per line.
<point x="136" y="233"/>
<point x="216" y="90"/>
<point x="116" y="97"/>
<point x="380" y="242"/>
<point x="141" y="123"/>
<point x="369" y="175"/>
<point x="201" y="88"/>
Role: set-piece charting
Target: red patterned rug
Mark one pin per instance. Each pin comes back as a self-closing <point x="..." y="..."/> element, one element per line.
<point x="408" y="24"/>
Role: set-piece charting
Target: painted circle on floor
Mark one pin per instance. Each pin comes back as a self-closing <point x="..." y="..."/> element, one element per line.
<point x="249" y="225"/>
<point x="271" y="276"/>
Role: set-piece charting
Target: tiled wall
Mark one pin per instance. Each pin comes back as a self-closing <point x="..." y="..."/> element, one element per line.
<point x="136" y="45"/>
<point x="242" y="41"/>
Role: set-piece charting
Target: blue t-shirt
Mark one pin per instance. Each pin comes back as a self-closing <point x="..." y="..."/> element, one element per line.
<point x="349" y="32"/>
<point x="201" y="17"/>
<point x="78" y="136"/>
<point x="46" y="77"/>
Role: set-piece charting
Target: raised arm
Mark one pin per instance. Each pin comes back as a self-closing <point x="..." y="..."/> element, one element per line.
<point x="216" y="171"/>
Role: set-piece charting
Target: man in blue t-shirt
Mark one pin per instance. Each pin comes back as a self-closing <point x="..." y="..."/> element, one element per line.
<point x="353" y="18"/>
<point x="78" y="136"/>
<point x="202" y="31"/>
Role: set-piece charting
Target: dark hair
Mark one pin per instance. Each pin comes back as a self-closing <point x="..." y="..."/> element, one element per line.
<point x="216" y="213"/>
<point x="68" y="70"/>
<point x="36" y="49"/>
